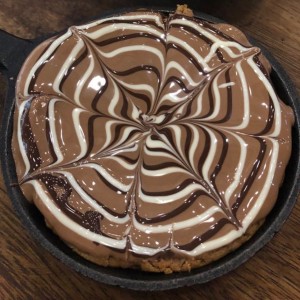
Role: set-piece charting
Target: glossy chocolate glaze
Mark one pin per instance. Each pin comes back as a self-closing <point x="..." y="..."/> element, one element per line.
<point x="147" y="133"/>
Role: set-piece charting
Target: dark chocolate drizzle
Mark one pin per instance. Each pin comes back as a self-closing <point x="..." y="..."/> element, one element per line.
<point x="60" y="190"/>
<point x="214" y="229"/>
<point x="28" y="138"/>
<point x="252" y="176"/>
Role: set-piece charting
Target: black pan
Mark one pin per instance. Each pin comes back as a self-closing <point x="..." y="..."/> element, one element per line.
<point x="13" y="52"/>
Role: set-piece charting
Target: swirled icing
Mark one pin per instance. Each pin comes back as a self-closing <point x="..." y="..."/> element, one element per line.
<point x="146" y="133"/>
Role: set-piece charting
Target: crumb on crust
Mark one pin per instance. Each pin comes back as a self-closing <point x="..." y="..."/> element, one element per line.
<point x="184" y="10"/>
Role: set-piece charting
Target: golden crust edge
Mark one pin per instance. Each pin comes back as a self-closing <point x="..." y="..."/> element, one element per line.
<point x="174" y="264"/>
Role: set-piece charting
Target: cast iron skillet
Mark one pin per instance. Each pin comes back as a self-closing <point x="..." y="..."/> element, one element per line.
<point x="13" y="52"/>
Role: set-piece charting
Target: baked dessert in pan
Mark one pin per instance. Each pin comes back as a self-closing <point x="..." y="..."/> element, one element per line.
<point x="151" y="140"/>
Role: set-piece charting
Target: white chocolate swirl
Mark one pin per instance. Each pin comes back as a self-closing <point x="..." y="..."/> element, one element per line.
<point x="146" y="133"/>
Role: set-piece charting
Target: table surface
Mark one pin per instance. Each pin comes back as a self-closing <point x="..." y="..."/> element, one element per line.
<point x="27" y="271"/>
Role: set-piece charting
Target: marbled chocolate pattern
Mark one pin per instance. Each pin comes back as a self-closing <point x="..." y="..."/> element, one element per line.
<point x="147" y="133"/>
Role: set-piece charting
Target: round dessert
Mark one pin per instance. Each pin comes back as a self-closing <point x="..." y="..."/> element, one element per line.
<point x="150" y="140"/>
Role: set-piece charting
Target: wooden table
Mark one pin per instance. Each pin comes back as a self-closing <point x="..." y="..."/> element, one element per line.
<point x="27" y="271"/>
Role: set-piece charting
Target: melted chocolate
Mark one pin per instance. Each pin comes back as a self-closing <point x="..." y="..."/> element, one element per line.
<point x="150" y="134"/>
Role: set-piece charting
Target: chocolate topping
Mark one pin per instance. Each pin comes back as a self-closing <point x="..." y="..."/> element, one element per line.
<point x="145" y="134"/>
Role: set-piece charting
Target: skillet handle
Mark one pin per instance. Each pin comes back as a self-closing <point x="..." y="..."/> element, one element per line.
<point x="13" y="51"/>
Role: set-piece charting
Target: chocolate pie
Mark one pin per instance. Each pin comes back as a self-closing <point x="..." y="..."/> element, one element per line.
<point x="150" y="140"/>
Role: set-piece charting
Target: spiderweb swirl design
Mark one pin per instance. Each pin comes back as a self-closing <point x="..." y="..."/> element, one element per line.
<point x="152" y="133"/>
